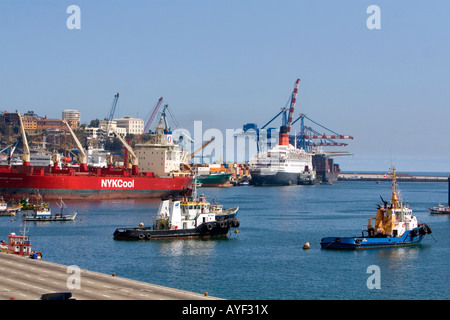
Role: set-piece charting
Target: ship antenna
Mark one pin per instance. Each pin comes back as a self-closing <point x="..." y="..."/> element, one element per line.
<point x="24" y="231"/>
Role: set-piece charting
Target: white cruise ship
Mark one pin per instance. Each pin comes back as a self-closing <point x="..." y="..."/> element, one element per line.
<point x="284" y="164"/>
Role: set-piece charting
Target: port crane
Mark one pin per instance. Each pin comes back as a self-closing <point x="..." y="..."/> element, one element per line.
<point x="9" y="150"/>
<point x="111" y="114"/>
<point x="307" y="135"/>
<point x="134" y="158"/>
<point x="286" y="120"/>
<point x="305" y="139"/>
<point x="201" y="148"/>
<point x="26" y="157"/>
<point x="152" y="116"/>
<point x="167" y="128"/>
<point x="82" y="157"/>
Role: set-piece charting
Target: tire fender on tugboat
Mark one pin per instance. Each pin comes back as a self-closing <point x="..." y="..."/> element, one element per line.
<point x="425" y="228"/>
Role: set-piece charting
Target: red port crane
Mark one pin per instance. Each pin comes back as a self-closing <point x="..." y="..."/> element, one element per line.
<point x="155" y="110"/>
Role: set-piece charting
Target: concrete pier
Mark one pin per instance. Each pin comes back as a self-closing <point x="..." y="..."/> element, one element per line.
<point x="27" y="279"/>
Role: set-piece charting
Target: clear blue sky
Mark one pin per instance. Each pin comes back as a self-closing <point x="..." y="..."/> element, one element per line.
<point x="231" y="62"/>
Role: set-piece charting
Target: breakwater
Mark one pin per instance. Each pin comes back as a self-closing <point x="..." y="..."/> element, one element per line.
<point x="403" y="177"/>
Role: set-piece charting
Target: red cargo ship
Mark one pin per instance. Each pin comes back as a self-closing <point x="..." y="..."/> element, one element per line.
<point x="23" y="181"/>
<point x="52" y="182"/>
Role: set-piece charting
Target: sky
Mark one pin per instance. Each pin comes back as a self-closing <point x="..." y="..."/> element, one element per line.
<point x="231" y="62"/>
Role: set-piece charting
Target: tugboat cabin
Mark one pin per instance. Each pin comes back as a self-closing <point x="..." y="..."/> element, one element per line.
<point x="20" y="245"/>
<point x="394" y="219"/>
<point x="182" y="215"/>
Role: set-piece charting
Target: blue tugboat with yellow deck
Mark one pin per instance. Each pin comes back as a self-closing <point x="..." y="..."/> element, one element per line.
<point x="393" y="226"/>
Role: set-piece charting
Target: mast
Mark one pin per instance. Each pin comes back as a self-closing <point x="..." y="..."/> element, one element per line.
<point x="395" y="198"/>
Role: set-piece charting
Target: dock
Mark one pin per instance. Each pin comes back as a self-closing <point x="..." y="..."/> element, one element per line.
<point x="24" y="278"/>
<point x="403" y="177"/>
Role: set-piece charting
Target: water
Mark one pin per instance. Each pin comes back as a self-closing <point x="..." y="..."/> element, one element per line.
<point x="265" y="260"/>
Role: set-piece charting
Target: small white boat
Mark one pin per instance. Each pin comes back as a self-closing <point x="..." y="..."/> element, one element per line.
<point x="8" y="211"/>
<point x="45" y="214"/>
<point x="441" y="209"/>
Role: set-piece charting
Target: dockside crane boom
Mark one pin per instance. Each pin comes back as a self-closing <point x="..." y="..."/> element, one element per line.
<point x="155" y="110"/>
<point x="82" y="158"/>
<point x="134" y="158"/>
<point x="287" y="123"/>
<point x="26" y="158"/>
<point x="291" y="109"/>
<point x="307" y="134"/>
<point x="111" y="113"/>
<point x="201" y="148"/>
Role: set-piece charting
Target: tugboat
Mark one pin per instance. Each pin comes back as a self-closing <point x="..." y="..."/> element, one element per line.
<point x="20" y="245"/>
<point x="394" y="226"/>
<point x="44" y="213"/>
<point x="190" y="218"/>
<point x="441" y="209"/>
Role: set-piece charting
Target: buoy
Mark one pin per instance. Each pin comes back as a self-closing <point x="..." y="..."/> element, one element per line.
<point x="236" y="231"/>
<point x="306" y="246"/>
<point x="141" y="224"/>
<point x="206" y="293"/>
<point x="113" y="274"/>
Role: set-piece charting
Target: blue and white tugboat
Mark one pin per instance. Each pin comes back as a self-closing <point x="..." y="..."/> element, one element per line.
<point x="190" y="218"/>
<point x="393" y="226"/>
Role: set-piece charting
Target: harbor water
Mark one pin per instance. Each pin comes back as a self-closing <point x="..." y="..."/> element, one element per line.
<point x="265" y="260"/>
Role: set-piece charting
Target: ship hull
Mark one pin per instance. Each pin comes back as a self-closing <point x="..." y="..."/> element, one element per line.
<point x="279" y="178"/>
<point x="214" y="180"/>
<point x="327" y="171"/>
<point x="327" y="177"/>
<point x="275" y="179"/>
<point x="87" y="185"/>
<point x="356" y="243"/>
<point x="217" y="229"/>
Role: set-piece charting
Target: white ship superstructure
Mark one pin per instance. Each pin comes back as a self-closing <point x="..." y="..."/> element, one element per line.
<point x="284" y="164"/>
<point x="161" y="155"/>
